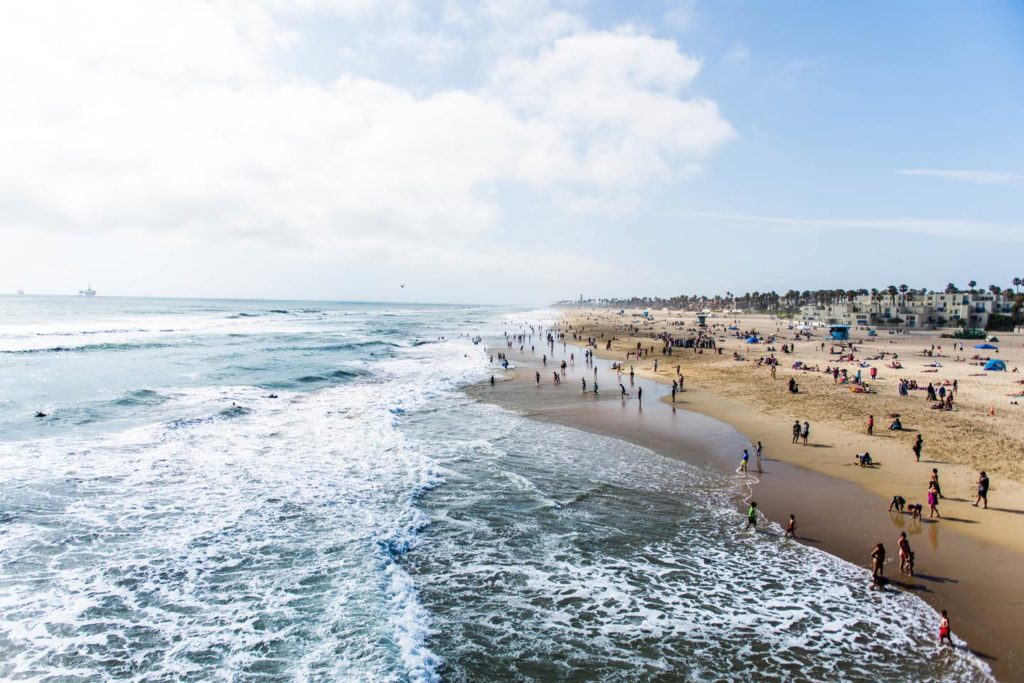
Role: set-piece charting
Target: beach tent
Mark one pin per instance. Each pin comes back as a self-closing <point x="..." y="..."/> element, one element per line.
<point x="840" y="332"/>
<point x="995" y="364"/>
<point x="733" y="327"/>
<point x="986" y="346"/>
<point x="872" y="333"/>
<point x="751" y="339"/>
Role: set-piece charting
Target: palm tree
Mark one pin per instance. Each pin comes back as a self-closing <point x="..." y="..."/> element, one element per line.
<point x="951" y="288"/>
<point x="903" y="294"/>
<point x="1017" y="282"/>
<point x="892" y="290"/>
<point x="972" y="284"/>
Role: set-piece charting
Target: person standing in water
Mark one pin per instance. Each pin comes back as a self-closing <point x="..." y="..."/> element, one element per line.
<point x="757" y="455"/>
<point x="751" y="516"/>
<point x="791" y="527"/>
<point x="906" y="555"/>
<point x="640" y="394"/>
<point x="945" y="635"/>
<point x="744" y="460"/>
<point x="877" y="562"/>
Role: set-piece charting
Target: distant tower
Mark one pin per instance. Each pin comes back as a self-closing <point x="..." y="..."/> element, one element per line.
<point x="581" y="297"/>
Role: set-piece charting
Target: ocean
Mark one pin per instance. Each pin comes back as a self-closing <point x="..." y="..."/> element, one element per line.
<point x="302" y="491"/>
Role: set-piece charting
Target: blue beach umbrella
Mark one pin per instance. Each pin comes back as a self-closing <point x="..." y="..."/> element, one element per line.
<point x="995" y="364"/>
<point x="986" y="346"/>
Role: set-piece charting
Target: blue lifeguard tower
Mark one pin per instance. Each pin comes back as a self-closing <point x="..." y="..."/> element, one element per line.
<point x="840" y="332"/>
<point x="701" y="318"/>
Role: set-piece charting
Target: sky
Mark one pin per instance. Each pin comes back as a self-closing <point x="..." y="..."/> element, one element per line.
<point x="508" y="152"/>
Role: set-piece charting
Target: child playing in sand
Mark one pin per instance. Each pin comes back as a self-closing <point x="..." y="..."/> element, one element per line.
<point x="897" y="504"/>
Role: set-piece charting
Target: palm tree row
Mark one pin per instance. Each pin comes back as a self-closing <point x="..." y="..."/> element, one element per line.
<point x="794" y="299"/>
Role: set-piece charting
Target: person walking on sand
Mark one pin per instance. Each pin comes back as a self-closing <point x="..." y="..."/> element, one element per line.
<point x="791" y="528"/>
<point x="751" y="516"/>
<point x="933" y="503"/>
<point x="982" y="490"/>
<point x="806" y="431"/>
<point x="934" y="481"/>
<point x="871" y="425"/>
<point x="796" y="431"/>
<point x="917" y="447"/>
<point x="944" y="633"/>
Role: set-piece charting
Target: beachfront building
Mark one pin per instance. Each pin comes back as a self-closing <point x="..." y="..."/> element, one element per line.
<point x="920" y="310"/>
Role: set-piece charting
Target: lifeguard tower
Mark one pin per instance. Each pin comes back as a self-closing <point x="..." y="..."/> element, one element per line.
<point x="701" y="319"/>
<point x="840" y="332"/>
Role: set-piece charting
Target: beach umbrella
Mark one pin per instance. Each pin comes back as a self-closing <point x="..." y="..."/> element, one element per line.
<point x="995" y="364"/>
<point x="986" y="346"/>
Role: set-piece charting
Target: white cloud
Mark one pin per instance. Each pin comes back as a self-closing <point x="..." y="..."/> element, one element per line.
<point x="175" y="122"/>
<point x="682" y="15"/>
<point x="985" y="177"/>
<point x="739" y="53"/>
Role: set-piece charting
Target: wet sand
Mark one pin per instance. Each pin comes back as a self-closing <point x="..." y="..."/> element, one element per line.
<point x="975" y="580"/>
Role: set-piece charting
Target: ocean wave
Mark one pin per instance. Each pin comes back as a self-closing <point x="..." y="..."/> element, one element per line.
<point x="141" y="397"/>
<point x="87" y="348"/>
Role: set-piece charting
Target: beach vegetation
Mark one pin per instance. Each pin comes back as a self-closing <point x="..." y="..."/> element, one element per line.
<point x="998" y="322"/>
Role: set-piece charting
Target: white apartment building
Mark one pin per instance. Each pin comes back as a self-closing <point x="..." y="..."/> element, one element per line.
<point x="934" y="309"/>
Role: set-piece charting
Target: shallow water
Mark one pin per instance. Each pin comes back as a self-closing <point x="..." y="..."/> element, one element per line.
<point x="170" y="521"/>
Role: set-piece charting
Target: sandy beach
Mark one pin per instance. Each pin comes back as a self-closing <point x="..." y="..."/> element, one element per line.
<point x="966" y="561"/>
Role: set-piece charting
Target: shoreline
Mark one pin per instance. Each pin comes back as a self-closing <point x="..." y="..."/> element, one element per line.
<point x="980" y="594"/>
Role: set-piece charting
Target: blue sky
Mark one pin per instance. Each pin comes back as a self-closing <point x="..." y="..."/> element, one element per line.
<point x="509" y="152"/>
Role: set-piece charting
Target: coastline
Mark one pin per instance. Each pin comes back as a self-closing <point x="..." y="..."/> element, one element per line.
<point x="972" y="578"/>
